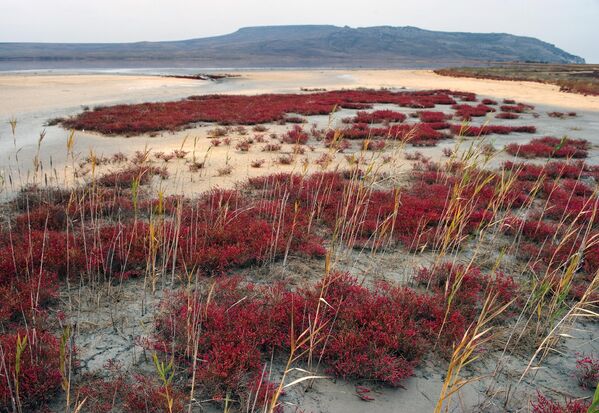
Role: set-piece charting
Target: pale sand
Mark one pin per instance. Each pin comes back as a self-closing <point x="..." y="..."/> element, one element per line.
<point x="29" y="92"/>
<point x="530" y="92"/>
<point x="33" y="99"/>
<point x="25" y="93"/>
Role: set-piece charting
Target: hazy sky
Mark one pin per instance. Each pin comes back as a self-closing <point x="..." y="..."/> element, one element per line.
<point x="570" y="24"/>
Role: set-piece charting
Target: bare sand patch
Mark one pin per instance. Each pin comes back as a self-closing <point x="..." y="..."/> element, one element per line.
<point x="23" y="93"/>
<point x="531" y="92"/>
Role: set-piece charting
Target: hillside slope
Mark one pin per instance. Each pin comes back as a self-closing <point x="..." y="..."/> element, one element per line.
<point x="308" y="46"/>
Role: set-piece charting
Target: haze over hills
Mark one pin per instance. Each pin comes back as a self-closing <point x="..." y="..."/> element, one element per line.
<point x="305" y="46"/>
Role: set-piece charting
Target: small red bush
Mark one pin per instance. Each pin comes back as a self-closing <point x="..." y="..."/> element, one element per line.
<point x="242" y="325"/>
<point x="489" y="102"/>
<point x="51" y="217"/>
<point x="549" y="147"/>
<point x="469" y="130"/>
<point x="247" y="110"/>
<point x="507" y="115"/>
<point x="553" y="170"/>
<point x="40" y="376"/>
<point x="415" y="134"/>
<point x="23" y="297"/>
<point x="379" y="116"/>
<point x="296" y="136"/>
<point x="293" y="119"/>
<point x="468" y="298"/>
<point x="466" y="112"/>
<point x="544" y="405"/>
<point x="271" y="147"/>
<point x="146" y="395"/>
<point x="519" y="108"/>
<point x="124" y="178"/>
<point x="433" y="117"/>
<point x="587" y="372"/>
<point x="377" y="145"/>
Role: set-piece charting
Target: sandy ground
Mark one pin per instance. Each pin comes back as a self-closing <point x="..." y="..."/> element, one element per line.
<point x="23" y="93"/>
<point x="530" y="92"/>
<point x="34" y="99"/>
<point x="109" y="330"/>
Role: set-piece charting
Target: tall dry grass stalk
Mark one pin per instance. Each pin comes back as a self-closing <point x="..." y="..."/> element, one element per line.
<point x="465" y="352"/>
<point x="544" y="317"/>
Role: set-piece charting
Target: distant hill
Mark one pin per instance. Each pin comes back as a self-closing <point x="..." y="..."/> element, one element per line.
<point x="306" y="46"/>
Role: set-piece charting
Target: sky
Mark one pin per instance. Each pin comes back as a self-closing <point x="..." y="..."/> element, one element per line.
<point x="572" y="25"/>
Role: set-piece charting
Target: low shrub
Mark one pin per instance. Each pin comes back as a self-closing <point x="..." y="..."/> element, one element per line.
<point x="39" y="378"/>
<point x="545" y="405"/>
<point x="507" y="115"/>
<point x="296" y="136"/>
<point x="489" y="102"/>
<point x="376" y="145"/>
<point x="587" y="371"/>
<point x="466" y="112"/>
<point x="240" y="109"/>
<point x="433" y="117"/>
<point x="124" y="178"/>
<point x="243" y="325"/>
<point x="469" y="130"/>
<point x="379" y="116"/>
<point x="549" y="147"/>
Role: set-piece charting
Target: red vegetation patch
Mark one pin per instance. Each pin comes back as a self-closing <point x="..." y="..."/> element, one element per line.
<point x="581" y="85"/>
<point x="467" y="112"/>
<point x="377" y="145"/>
<point x="489" y="102"/>
<point x="124" y="178"/>
<point x="416" y="134"/>
<point x="235" y="109"/>
<point x="519" y="108"/>
<point x="587" y="372"/>
<point x="48" y="216"/>
<point x="545" y="405"/>
<point x="361" y="338"/>
<point x="569" y="206"/>
<point x="379" y="116"/>
<point x="561" y="115"/>
<point x="97" y="232"/>
<point x="293" y="119"/>
<point x="507" y="115"/>
<point x="146" y="395"/>
<point x="223" y="230"/>
<point x="565" y="203"/>
<point x="553" y="170"/>
<point x="469" y="294"/>
<point x="39" y="378"/>
<point x="32" y="253"/>
<point x="433" y="117"/>
<point x="129" y="395"/>
<point x="416" y="219"/>
<point x="469" y="130"/>
<point x="26" y="296"/>
<point x="549" y="147"/>
<point x="544" y="246"/>
<point x="296" y="136"/>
